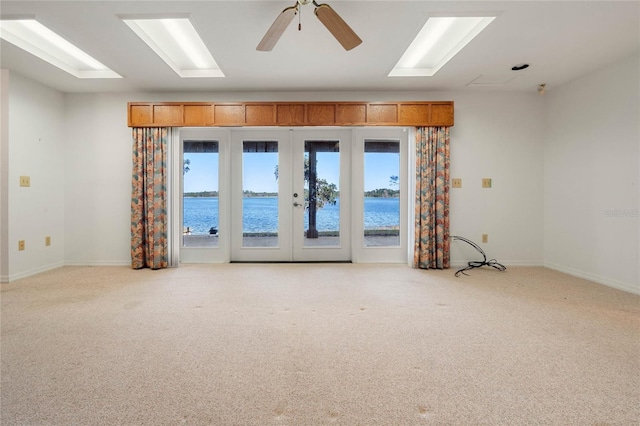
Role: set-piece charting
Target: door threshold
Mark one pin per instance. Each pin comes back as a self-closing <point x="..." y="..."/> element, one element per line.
<point x="293" y="261"/>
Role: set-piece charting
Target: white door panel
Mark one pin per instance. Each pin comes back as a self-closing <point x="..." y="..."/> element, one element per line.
<point x="260" y="220"/>
<point x="322" y="156"/>
<point x="261" y="202"/>
<point x="203" y="205"/>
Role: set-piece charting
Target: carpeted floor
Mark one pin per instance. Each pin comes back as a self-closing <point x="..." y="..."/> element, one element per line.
<point x="315" y="344"/>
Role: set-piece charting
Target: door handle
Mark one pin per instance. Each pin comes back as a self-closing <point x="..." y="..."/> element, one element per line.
<point x="297" y="204"/>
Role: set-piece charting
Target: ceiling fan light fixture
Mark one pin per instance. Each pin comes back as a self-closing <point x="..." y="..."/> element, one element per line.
<point x="439" y="40"/>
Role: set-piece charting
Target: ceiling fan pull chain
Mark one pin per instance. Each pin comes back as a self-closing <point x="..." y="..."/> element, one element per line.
<point x="299" y="19"/>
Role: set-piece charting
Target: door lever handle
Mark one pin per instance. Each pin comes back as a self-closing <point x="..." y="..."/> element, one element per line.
<point x="297" y="204"/>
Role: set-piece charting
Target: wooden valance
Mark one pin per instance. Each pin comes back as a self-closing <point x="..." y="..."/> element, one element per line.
<point x="205" y="114"/>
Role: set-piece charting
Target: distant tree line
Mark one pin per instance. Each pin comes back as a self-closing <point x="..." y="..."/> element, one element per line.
<point x="201" y="194"/>
<point x="376" y="193"/>
<point x="215" y="194"/>
<point x="383" y="193"/>
<point x="259" y="194"/>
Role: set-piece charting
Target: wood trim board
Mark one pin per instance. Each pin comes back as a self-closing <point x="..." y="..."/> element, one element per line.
<point x="205" y="114"/>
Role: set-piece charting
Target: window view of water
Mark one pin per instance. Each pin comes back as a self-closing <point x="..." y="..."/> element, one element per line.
<point x="201" y="214"/>
<point x="260" y="187"/>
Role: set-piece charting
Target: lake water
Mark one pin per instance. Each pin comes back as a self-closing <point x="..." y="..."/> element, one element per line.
<point x="260" y="214"/>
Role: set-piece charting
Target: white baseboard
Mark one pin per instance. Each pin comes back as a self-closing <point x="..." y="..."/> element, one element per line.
<point x="35" y="271"/>
<point x="619" y="285"/>
<point x="100" y="263"/>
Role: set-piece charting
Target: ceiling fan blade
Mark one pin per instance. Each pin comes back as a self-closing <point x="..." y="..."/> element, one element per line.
<point x="277" y="28"/>
<point x="336" y="26"/>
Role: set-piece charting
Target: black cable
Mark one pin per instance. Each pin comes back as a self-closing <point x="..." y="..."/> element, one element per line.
<point x="477" y="263"/>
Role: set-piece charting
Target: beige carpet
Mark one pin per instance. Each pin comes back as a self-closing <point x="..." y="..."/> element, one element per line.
<point x="315" y="344"/>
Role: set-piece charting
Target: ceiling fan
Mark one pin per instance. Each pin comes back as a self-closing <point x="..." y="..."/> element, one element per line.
<point x="334" y="23"/>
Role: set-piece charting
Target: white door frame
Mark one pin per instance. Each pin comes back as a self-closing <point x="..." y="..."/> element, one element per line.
<point x="351" y="186"/>
<point x="282" y="252"/>
<point x="372" y="254"/>
<point x="311" y="253"/>
<point x="221" y="253"/>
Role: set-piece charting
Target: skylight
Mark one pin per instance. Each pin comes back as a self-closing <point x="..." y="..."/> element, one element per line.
<point x="177" y="42"/>
<point x="40" y="41"/>
<point x="439" y="40"/>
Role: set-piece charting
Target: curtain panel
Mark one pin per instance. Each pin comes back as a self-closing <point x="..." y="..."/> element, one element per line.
<point x="149" y="248"/>
<point x="431" y="250"/>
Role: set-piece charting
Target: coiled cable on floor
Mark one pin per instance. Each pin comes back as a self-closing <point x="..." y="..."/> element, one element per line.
<point x="477" y="263"/>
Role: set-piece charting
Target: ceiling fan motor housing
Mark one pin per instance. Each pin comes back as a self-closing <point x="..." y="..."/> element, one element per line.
<point x="329" y="18"/>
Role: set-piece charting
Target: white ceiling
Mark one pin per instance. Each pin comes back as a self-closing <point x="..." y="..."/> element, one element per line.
<point x="561" y="40"/>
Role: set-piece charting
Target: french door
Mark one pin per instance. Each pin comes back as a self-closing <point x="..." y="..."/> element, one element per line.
<point x="289" y="195"/>
<point x="286" y="192"/>
<point x="199" y="208"/>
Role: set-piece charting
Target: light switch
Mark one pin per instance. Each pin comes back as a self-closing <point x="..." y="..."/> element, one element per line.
<point x="25" y="181"/>
<point x="486" y="183"/>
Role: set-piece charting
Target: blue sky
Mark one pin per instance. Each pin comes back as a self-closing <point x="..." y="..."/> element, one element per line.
<point x="203" y="172"/>
<point x="259" y="168"/>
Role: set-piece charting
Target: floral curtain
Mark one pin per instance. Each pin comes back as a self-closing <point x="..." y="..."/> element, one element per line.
<point x="431" y="249"/>
<point x="149" y="247"/>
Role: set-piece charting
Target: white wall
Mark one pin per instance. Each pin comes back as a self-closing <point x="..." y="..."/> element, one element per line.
<point x="591" y="178"/>
<point x="36" y="149"/>
<point x="4" y="175"/>
<point x="496" y="135"/>
<point x="98" y="180"/>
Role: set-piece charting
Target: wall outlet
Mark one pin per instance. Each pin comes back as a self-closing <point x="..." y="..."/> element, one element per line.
<point x="485" y="238"/>
<point x="21" y="245"/>
<point x="25" y="181"/>
<point x="456" y="183"/>
<point x="486" y="183"/>
<point x="47" y="241"/>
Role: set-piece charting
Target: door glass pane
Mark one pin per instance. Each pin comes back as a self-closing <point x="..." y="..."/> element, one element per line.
<point x="260" y="194"/>
<point x="382" y="193"/>
<point x="322" y="193"/>
<point x="200" y="194"/>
